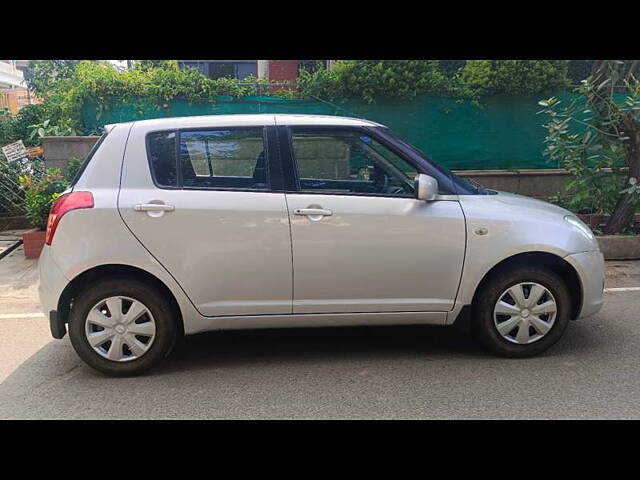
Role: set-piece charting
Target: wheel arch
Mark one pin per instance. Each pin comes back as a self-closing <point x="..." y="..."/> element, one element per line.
<point x="545" y="259"/>
<point x="100" y="272"/>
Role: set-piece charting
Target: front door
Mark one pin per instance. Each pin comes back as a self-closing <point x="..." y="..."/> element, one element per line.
<point x="361" y="240"/>
<point x="210" y="216"/>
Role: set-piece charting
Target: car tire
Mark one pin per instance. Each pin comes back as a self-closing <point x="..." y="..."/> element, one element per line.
<point x="489" y="316"/>
<point x="160" y="336"/>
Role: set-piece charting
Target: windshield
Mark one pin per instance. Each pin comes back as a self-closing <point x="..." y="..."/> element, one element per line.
<point x="460" y="184"/>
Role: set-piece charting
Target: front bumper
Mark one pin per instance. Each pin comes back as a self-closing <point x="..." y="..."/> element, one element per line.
<point x="590" y="268"/>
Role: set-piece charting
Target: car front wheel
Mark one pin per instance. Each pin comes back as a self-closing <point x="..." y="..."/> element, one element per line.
<point x="521" y="312"/>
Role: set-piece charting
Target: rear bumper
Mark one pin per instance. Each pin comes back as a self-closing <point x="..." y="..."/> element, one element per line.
<point x="52" y="284"/>
<point x="590" y="268"/>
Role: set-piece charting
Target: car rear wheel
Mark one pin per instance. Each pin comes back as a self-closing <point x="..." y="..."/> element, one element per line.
<point x="521" y="312"/>
<point x="122" y="327"/>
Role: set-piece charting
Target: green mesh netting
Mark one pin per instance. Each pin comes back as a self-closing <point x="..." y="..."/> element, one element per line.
<point x="505" y="133"/>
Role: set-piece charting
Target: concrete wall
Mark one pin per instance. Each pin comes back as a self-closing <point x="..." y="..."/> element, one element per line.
<point x="533" y="183"/>
<point x="58" y="150"/>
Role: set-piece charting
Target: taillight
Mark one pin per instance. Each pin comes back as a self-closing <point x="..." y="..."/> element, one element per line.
<point x="63" y="204"/>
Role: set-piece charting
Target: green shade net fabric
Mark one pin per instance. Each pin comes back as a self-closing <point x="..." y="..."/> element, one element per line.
<point x="504" y="133"/>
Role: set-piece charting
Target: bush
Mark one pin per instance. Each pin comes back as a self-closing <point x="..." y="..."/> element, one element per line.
<point x="371" y="79"/>
<point x="405" y="79"/>
<point x="40" y="193"/>
<point x="66" y="86"/>
<point x="157" y="80"/>
<point x="490" y="77"/>
<point x="17" y="127"/>
<point x="73" y="166"/>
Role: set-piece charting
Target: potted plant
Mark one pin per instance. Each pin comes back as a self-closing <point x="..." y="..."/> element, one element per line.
<point x="40" y="193"/>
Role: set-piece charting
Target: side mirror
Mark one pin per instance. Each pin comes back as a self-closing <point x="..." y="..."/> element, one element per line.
<point x="426" y="187"/>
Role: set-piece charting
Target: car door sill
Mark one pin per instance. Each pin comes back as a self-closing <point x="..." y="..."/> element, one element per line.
<point x="303" y="320"/>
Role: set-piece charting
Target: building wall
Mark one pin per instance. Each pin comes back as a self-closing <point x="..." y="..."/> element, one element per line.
<point x="283" y="70"/>
<point x="15" y="99"/>
<point x="274" y="70"/>
<point x="239" y="69"/>
<point x="13" y="93"/>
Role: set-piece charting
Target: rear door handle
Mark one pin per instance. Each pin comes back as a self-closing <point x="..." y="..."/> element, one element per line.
<point x="313" y="212"/>
<point x="153" y="207"/>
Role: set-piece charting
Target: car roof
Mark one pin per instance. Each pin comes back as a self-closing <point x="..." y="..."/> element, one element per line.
<point x="197" y="121"/>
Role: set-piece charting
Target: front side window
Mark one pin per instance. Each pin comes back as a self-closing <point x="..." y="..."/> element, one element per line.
<point x="348" y="161"/>
<point x="224" y="158"/>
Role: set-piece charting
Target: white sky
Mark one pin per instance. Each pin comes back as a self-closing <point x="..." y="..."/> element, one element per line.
<point x="119" y="63"/>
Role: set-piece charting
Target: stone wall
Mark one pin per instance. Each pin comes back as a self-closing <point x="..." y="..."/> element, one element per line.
<point x="58" y="150"/>
<point x="532" y="183"/>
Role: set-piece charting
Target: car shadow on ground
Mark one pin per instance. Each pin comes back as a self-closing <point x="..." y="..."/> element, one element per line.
<point x="262" y="347"/>
<point x="234" y="348"/>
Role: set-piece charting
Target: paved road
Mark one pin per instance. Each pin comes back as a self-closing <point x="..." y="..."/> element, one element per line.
<point x="392" y="372"/>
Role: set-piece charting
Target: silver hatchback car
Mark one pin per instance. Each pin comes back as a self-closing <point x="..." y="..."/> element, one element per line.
<point x="181" y="225"/>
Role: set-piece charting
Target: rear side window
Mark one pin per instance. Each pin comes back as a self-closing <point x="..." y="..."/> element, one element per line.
<point x="161" y="148"/>
<point x="224" y="158"/>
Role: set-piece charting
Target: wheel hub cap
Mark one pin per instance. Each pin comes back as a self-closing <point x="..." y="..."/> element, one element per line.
<point x="525" y="313"/>
<point x="120" y="328"/>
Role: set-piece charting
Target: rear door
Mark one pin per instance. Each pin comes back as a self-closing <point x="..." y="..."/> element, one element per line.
<point x="205" y="203"/>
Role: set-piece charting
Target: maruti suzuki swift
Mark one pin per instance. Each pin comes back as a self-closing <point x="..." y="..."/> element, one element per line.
<point x="176" y="226"/>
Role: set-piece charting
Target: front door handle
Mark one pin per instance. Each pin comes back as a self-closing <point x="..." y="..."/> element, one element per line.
<point x="153" y="207"/>
<point x="313" y="212"/>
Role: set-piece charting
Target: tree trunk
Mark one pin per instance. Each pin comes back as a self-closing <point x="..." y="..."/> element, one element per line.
<point x="623" y="214"/>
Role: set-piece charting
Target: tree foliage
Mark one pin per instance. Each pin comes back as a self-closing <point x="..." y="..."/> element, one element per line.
<point x="479" y="78"/>
<point x="372" y="79"/>
<point x="18" y="127"/>
<point x="42" y="76"/>
<point x="159" y="81"/>
<point x="597" y="138"/>
<point x="405" y="79"/>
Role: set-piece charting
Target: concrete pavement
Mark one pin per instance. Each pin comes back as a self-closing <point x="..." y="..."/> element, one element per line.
<point x="382" y="372"/>
<point x="21" y="334"/>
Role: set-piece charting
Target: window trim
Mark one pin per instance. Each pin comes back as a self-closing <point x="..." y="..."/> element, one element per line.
<point x="292" y="165"/>
<point x="152" y="171"/>
<point x="179" y="180"/>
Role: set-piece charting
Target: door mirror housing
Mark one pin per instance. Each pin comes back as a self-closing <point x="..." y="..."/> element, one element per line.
<point x="426" y="187"/>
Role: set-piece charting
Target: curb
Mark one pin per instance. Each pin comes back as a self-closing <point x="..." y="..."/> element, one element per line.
<point x="619" y="247"/>
<point x="10" y="249"/>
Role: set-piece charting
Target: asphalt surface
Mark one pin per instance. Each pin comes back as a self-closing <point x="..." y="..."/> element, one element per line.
<point x="381" y="372"/>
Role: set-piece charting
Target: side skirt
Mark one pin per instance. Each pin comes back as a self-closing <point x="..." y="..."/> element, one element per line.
<point x="311" y="320"/>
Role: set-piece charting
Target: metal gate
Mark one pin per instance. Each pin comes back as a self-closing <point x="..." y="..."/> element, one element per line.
<point x="12" y="195"/>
